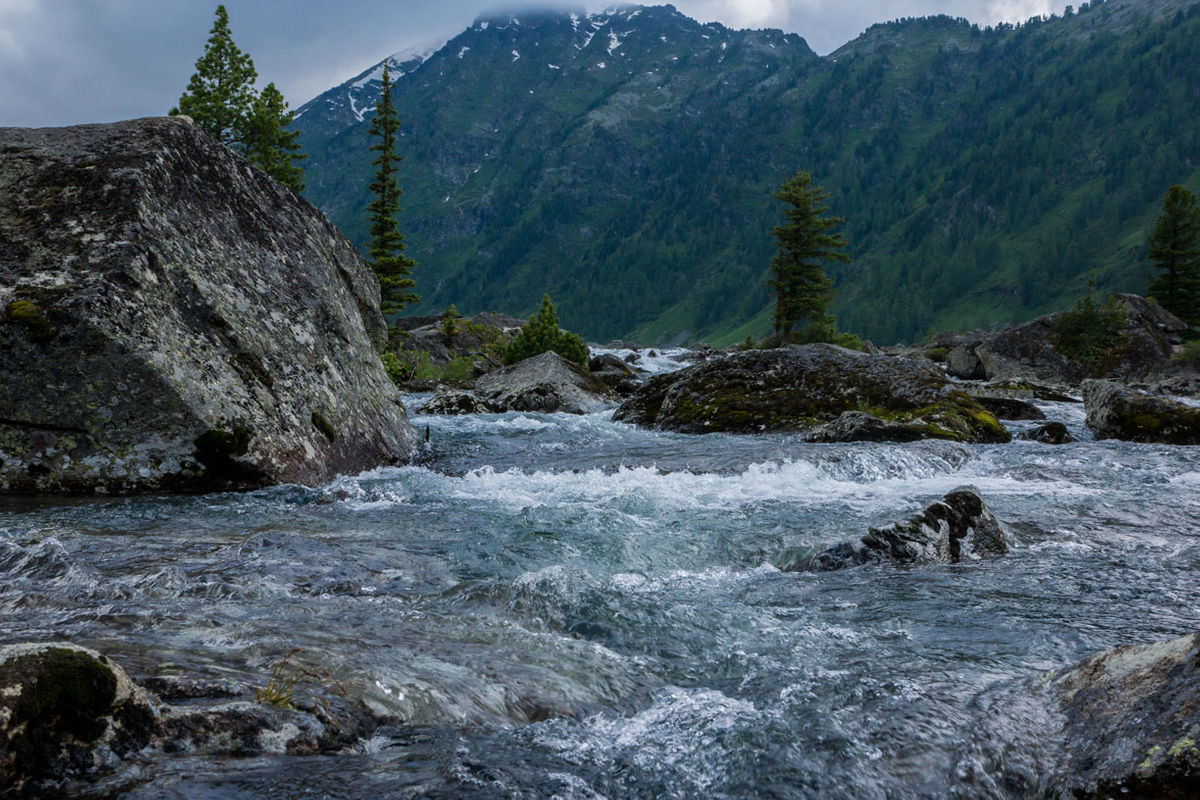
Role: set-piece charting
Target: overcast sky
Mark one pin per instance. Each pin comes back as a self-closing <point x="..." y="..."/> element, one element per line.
<point x="69" y="61"/>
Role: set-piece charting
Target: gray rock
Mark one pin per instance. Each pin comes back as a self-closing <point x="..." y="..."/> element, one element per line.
<point x="959" y="527"/>
<point x="66" y="712"/>
<point x="1133" y="721"/>
<point x="859" y="426"/>
<point x="452" y="401"/>
<point x="173" y="319"/>
<point x="803" y="388"/>
<point x="1050" y="433"/>
<point x="546" y="383"/>
<point x="963" y="362"/>
<point x="1149" y="339"/>
<point x="1116" y="412"/>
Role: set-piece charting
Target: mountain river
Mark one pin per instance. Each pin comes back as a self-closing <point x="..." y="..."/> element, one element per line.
<point x="565" y="606"/>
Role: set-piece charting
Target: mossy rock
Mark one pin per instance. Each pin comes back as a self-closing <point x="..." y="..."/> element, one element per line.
<point x="805" y="388"/>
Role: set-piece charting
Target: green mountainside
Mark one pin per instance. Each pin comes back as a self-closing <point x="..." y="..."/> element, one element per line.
<point x="624" y="162"/>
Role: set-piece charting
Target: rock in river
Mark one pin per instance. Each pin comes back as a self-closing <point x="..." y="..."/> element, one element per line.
<point x="959" y="527"/>
<point x="1116" y="412"/>
<point x="807" y="387"/>
<point x="172" y="318"/>
<point x="1133" y="721"/>
<point x="547" y="383"/>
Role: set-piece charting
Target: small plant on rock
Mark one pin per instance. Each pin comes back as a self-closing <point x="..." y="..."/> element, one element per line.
<point x="542" y="334"/>
<point x="1089" y="334"/>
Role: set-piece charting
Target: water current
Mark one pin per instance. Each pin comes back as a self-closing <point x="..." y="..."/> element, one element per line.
<point x="565" y="606"/>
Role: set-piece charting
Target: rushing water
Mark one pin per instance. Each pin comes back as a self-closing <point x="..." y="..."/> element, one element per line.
<point x="564" y="606"/>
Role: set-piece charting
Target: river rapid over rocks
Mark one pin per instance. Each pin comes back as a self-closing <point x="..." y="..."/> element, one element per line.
<point x="567" y="606"/>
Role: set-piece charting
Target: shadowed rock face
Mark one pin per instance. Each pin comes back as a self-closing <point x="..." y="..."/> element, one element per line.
<point x="959" y="527"/>
<point x="1115" y="412"/>
<point x="810" y="388"/>
<point x="1133" y="721"/>
<point x="171" y="318"/>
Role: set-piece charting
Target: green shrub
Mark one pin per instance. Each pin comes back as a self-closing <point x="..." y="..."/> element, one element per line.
<point x="1191" y="351"/>
<point x="459" y="369"/>
<point x="1089" y="334"/>
<point x="937" y="354"/>
<point x="542" y="334"/>
<point x="450" y="318"/>
<point x="399" y="371"/>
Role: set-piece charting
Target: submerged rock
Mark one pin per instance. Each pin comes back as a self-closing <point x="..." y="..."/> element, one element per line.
<point x="1050" y="433"/>
<point x="1133" y="721"/>
<point x="805" y="388"/>
<point x="67" y="711"/>
<point x="1116" y="412"/>
<point x="546" y="383"/>
<point x="173" y="319"/>
<point x="958" y="527"/>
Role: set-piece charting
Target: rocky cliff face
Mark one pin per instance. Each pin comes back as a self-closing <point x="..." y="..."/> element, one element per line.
<point x="171" y="318"/>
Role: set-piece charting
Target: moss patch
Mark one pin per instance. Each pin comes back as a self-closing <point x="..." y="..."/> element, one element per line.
<point x="30" y="314"/>
<point x="324" y="426"/>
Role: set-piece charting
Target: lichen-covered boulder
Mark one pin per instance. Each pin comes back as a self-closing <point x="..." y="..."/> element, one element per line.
<point x="546" y="383"/>
<point x="1117" y="412"/>
<point x="67" y="711"/>
<point x="172" y="318"/>
<point x="804" y="388"/>
<point x="1133" y="721"/>
<point x="959" y="527"/>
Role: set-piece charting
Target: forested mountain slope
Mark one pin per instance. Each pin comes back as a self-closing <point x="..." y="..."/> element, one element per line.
<point x="624" y="163"/>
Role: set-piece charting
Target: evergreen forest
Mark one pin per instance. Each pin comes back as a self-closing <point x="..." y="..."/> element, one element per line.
<point x="625" y="164"/>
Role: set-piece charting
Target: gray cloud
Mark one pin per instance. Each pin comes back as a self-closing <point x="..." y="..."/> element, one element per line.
<point x="69" y="61"/>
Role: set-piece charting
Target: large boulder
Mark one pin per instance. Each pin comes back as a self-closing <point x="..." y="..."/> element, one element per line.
<point x="546" y="383"/>
<point x="806" y="388"/>
<point x="173" y="319"/>
<point x="66" y="711"/>
<point x="1149" y="337"/>
<point x="1133" y="721"/>
<point x="1117" y="412"/>
<point x="959" y="527"/>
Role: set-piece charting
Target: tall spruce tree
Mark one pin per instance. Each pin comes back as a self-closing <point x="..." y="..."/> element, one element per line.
<point x="386" y="250"/>
<point x="220" y="94"/>
<point x="269" y="145"/>
<point x="803" y="291"/>
<point x="1175" y="250"/>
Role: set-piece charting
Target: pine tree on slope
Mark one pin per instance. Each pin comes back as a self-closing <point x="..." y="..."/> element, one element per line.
<point x="386" y="250"/>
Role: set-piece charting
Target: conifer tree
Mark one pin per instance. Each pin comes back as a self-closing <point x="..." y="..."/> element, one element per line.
<point x="803" y="291"/>
<point x="220" y="94"/>
<point x="271" y="147"/>
<point x="386" y="250"/>
<point x="1175" y="250"/>
<point x="542" y="334"/>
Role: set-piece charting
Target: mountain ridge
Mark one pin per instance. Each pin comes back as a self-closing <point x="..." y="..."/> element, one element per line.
<point x="624" y="162"/>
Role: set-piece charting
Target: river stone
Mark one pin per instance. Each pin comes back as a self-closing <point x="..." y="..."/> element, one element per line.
<point x="452" y="401"/>
<point x="66" y="712"/>
<point x="1008" y="407"/>
<point x="546" y="382"/>
<point x="1049" y="433"/>
<point x="959" y="527"/>
<point x="1117" y="412"/>
<point x="804" y="387"/>
<point x="172" y="318"/>
<point x="1133" y="721"/>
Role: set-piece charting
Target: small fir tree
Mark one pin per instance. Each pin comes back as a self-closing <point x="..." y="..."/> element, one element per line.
<point x="803" y="291"/>
<point x="1175" y="250"/>
<point x="269" y="145"/>
<point x="386" y="249"/>
<point x="542" y="334"/>
<point x="220" y="94"/>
